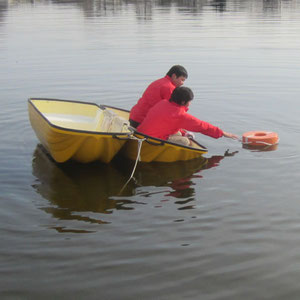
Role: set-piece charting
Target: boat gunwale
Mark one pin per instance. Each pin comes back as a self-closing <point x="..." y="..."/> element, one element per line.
<point x="163" y="142"/>
<point x="114" y="134"/>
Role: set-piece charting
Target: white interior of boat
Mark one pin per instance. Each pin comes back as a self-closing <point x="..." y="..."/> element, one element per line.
<point x="104" y="121"/>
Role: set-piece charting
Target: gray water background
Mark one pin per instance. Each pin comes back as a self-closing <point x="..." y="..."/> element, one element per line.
<point x="225" y="229"/>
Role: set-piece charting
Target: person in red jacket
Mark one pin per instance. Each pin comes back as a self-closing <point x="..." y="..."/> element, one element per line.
<point x="169" y="120"/>
<point x="159" y="89"/>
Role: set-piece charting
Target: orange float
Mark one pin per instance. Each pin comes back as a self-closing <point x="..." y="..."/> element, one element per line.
<point x="260" y="138"/>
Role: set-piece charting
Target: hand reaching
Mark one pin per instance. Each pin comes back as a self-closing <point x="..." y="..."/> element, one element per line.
<point x="230" y="135"/>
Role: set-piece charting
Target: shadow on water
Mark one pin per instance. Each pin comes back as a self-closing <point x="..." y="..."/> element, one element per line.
<point x="73" y="188"/>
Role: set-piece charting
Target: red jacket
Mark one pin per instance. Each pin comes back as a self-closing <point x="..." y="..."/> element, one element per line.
<point x="156" y="91"/>
<point x="166" y="118"/>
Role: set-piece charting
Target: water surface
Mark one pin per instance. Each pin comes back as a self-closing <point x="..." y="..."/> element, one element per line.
<point x="221" y="227"/>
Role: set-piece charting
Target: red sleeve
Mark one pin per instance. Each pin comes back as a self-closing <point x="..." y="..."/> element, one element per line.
<point x="191" y="123"/>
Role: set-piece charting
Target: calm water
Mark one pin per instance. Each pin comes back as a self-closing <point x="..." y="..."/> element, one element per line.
<point x="223" y="227"/>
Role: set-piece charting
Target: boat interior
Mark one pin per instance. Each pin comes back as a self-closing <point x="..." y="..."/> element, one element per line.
<point x="104" y="121"/>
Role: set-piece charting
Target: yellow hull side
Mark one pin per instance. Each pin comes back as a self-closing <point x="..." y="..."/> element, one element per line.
<point x="68" y="143"/>
<point x="161" y="151"/>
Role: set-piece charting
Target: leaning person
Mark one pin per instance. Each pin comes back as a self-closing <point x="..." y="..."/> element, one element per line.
<point x="169" y="120"/>
<point x="159" y="89"/>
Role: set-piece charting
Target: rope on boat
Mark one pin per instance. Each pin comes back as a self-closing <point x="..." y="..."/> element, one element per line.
<point x="138" y="158"/>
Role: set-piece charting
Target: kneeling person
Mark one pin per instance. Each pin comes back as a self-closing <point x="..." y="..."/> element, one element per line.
<point x="169" y="120"/>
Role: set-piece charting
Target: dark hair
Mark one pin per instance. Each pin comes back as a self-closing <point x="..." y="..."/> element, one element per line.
<point x="182" y="95"/>
<point x="178" y="71"/>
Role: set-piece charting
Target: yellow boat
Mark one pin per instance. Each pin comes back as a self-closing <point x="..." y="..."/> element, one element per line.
<point x="86" y="132"/>
<point x="79" y="131"/>
<point x="154" y="149"/>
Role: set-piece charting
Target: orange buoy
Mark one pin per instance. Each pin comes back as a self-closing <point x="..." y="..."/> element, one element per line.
<point x="260" y="138"/>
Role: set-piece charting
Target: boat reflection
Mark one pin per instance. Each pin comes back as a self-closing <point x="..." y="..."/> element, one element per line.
<point x="261" y="148"/>
<point x="73" y="188"/>
<point x="78" y="187"/>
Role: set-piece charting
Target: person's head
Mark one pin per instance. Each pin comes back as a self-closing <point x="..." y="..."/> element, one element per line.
<point x="178" y="75"/>
<point x="182" y="95"/>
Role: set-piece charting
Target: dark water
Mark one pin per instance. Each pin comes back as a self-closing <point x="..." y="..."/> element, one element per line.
<point x="221" y="227"/>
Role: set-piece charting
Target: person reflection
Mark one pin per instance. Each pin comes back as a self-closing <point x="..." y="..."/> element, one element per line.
<point x="182" y="187"/>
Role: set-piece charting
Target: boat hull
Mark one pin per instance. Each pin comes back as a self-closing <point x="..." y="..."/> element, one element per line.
<point x="71" y="133"/>
<point x="157" y="150"/>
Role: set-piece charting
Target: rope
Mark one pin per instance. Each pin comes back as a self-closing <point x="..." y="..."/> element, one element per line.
<point x="138" y="158"/>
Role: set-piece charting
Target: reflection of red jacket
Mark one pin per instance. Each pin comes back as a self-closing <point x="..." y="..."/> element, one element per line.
<point x="156" y="91"/>
<point x="166" y="118"/>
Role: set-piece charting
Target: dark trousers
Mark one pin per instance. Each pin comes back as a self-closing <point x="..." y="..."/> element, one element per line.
<point x="133" y="123"/>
